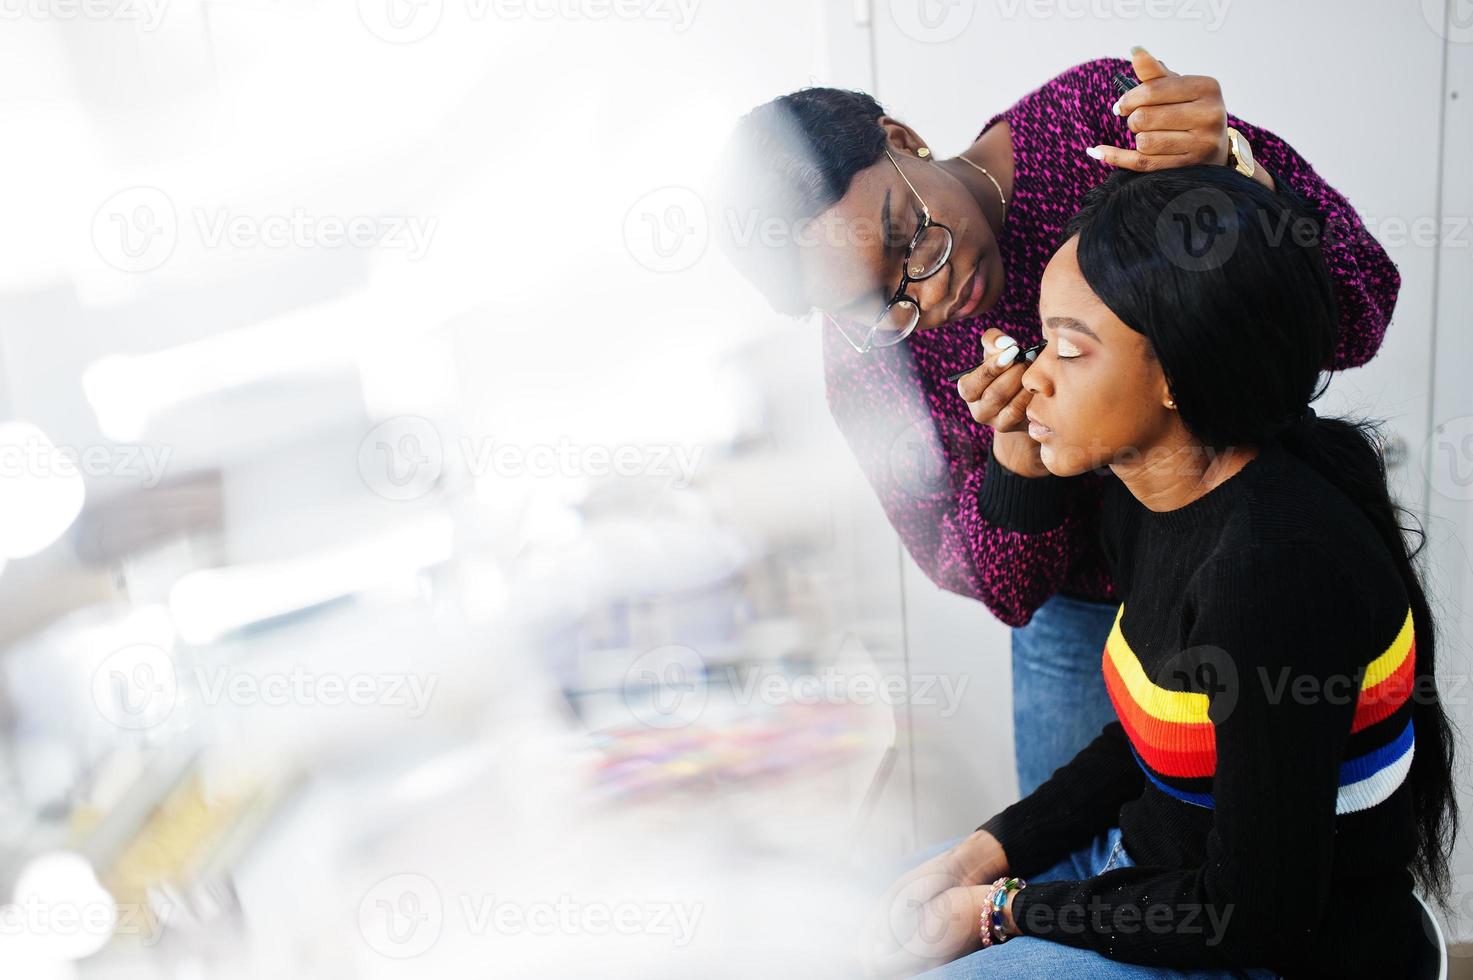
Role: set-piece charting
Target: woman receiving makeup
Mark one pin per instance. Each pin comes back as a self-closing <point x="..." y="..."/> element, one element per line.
<point x="915" y="259"/>
<point x="1278" y="777"/>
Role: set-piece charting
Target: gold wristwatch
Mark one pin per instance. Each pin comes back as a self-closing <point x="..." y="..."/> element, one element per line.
<point x="1240" y="153"/>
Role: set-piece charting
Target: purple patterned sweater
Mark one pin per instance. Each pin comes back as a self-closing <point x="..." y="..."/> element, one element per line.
<point x="911" y="432"/>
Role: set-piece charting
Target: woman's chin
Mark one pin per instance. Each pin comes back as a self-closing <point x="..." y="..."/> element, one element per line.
<point x="1059" y="464"/>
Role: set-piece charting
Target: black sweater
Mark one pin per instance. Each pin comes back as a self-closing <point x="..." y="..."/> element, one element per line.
<point x="1261" y="670"/>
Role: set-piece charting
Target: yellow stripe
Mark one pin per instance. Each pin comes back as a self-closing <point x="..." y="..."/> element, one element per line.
<point x="1174" y="706"/>
<point x="1388" y="663"/>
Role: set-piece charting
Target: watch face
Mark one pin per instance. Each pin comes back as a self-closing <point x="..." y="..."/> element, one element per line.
<point x="1245" y="152"/>
<point x="1242" y="151"/>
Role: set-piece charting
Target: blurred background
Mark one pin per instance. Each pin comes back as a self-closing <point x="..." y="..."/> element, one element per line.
<point x="425" y="557"/>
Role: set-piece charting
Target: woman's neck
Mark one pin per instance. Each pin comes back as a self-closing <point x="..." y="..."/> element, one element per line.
<point x="1168" y="478"/>
<point x="994" y="152"/>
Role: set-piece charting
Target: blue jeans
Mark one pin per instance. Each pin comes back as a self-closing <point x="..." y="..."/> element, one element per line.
<point x="1059" y="698"/>
<point x="1029" y="956"/>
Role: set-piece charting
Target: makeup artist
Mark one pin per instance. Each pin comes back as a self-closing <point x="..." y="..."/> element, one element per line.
<point x="915" y="261"/>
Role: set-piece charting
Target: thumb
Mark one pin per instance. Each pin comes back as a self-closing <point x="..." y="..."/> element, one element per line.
<point x="1146" y="66"/>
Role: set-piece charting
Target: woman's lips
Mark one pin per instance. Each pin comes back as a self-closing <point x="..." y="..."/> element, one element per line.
<point x="976" y="290"/>
<point x="1037" y="430"/>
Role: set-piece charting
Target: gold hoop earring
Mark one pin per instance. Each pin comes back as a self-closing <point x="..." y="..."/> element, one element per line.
<point x="1170" y="403"/>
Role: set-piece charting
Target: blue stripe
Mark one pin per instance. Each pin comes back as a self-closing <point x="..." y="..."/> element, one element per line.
<point x="1351" y="771"/>
<point x="1366" y="766"/>
<point x="1196" y="799"/>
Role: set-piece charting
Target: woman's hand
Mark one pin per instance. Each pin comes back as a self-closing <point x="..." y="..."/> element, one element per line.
<point x="994" y="392"/>
<point x="1178" y="121"/>
<point x="918" y="919"/>
<point x="945" y="928"/>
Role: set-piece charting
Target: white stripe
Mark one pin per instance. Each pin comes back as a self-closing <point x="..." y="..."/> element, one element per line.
<point x="1376" y="787"/>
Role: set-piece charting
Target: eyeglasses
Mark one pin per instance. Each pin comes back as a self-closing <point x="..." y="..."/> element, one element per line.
<point x="926" y="255"/>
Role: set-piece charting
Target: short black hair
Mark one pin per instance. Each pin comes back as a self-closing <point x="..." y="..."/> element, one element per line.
<point x="788" y="161"/>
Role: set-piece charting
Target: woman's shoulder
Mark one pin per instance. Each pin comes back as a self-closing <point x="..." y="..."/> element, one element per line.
<point x="1301" y="546"/>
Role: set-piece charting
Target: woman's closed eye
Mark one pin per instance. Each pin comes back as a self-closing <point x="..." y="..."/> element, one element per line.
<point x="1066" y="350"/>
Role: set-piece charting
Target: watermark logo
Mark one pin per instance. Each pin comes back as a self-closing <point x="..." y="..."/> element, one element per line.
<point x="146" y="14"/>
<point x="401" y="21"/>
<point x="136" y="229"/>
<point x="667" y="229"/>
<point x="666" y="687"/>
<point x="407" y="21"/>
<point x="1211" y="13"/>
<point x="135" y="687"/>
<point x="402" y="916"/>
<point x="1447" y="458"/>
<point x="669" y="687"/>
<point x="1198" y="230"/>
<point x="918" y="462"/>
<point x="401" y="458"/>
<point x="932" y="21"/>
<point x="1451" y="20"/>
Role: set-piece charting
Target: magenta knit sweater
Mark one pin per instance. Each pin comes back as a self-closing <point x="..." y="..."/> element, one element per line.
<point x="911" y="432"/>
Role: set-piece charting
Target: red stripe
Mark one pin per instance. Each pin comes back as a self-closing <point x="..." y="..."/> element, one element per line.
<point x="1179" y="749"/>
<point x="1382" y="700"/>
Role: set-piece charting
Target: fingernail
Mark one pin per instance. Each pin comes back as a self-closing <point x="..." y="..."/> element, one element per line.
<point x="1136" y="49"/>
<point x="1005" y="342"/>
<point x="1007" y="357"/>
<point x="1116" y="107"/>
<point x="1095" y="152"/>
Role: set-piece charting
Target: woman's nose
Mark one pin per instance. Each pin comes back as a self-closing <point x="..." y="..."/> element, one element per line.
<point x="1035" y="378"/>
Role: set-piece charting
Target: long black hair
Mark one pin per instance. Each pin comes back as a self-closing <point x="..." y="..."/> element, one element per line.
<point x="1217" y="270"/>
<point x="789" y="160"/>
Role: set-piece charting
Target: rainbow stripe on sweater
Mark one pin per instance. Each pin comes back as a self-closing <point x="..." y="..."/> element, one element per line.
<point x="1175" y="742"/>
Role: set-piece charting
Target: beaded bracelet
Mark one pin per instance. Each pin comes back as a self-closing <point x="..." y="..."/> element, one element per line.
<point x="993" y="925"/>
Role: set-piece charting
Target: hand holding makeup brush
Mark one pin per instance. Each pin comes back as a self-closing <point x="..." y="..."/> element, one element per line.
<point x="994" y="390"/>
<point x="995" y="395"/>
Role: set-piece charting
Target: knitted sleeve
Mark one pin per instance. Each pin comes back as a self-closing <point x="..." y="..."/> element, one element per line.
<point x="1279" y="627"/>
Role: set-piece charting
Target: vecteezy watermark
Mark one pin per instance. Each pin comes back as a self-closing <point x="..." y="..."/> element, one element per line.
<point x="670" y="686"/>
<point x="1450" y="20"/>
<point x="35" y="456"/>
<point x="404" y="915"/>
<point x="1421" y="231"/>
<point x="1098" y="915"/>
<point x="83" y="925"/>
<point x="1212" y="12"/>
<point x="917" y="460"/>
<point x="667" y="230"/>
<point x="402" y="458"/>
<point x="932" y="21"/>
<point x="135" y="687"/>
<point x="147" y="14"/>
<point x="1198" y="230"/>
<point x="407" y="21"/>
<point x="1447" y="458"/>
<point x="138" y="686"/>
<point x="137" y="230"/>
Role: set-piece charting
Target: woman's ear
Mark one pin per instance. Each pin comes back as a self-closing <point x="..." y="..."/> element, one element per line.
<point x="900" y="136"/>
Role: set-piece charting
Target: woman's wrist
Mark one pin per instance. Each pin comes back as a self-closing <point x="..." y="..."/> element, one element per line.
<point x="981" y="858"/>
